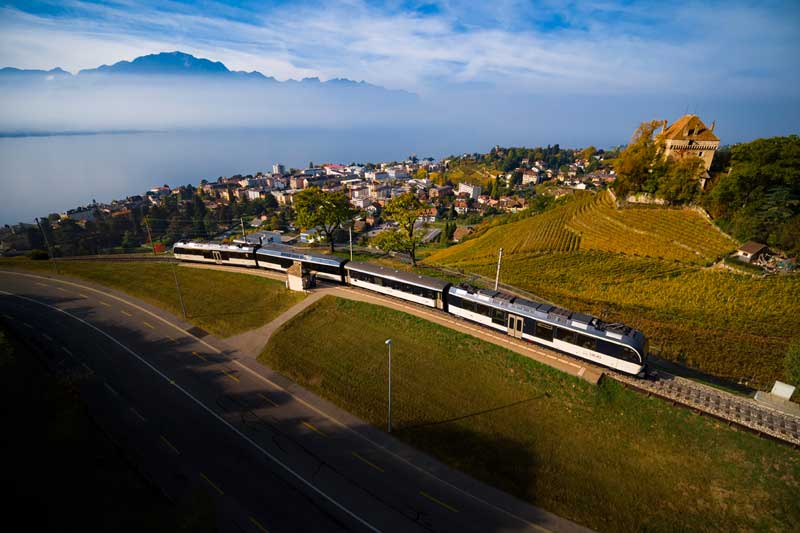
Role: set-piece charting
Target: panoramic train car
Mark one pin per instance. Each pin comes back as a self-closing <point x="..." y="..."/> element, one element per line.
<point x="613" y="345"/>
<point x="221" y="254"/>
<point x="406" y="285"/>
<point x="279" y="257"/>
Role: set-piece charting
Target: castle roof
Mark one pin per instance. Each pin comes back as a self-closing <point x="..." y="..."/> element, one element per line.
<point x="689" y="127"/>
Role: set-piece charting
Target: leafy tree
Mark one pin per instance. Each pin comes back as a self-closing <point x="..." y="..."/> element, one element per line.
<point x="680" y="184"/>
<point x="443" y="239"/>
<point x="588" y="152"/>
<point x="640" y="166"/>
<point x="405" y="210"/>
<point x="327" y="210"/>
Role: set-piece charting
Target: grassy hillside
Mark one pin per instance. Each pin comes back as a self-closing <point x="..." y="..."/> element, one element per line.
<point x="603" y="456"/>
<point x="223" y="303"/>
<point x="642" y="266"/>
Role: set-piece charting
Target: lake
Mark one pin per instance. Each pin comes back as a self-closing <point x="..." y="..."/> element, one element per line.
<point x="41" y="175"/>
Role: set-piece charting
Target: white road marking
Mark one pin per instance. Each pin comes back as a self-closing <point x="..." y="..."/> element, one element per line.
<point x="138" y="415"/>
<point x="303" y="402"/>
<point x="65" y="349"/>
<point x="111" y="389"/>
<point x="207" y="409"/>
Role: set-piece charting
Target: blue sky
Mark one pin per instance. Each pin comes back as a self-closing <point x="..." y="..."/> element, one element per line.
<point x="598" y="46"/>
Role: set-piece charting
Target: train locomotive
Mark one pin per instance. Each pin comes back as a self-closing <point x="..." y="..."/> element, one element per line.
<point x="612" y="345"/>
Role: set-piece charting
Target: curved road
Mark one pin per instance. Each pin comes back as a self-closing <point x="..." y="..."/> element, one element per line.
<point x="192" y="412"/>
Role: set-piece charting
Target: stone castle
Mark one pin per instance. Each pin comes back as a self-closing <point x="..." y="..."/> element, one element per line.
<point x="688" y="136"/>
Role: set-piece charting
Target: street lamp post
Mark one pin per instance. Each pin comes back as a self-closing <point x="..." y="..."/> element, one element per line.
<point x="389" y="344"/>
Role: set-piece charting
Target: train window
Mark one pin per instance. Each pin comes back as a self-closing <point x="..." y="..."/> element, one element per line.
<point x="565" y="335"/>
<point x="544" y="331"/>
<point x="453" y="301"/>
<point x="499" y="316"/>
<point x="584" y="341"/>
<point x="529" y="327"/>
<point x="469" y="306"/>
<point x="484" y="310"/>
<point x="629" y="355"/>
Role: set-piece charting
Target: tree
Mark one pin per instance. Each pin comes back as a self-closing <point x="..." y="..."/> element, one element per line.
<point x="679" y="184"/>
<point x="405" y="210"/>
<point x="640" y="166"/>
<point x="588" y="152"/>
<point x="328" y="210"/>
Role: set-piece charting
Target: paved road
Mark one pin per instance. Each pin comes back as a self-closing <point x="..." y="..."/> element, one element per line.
<point x="195" y="413"/>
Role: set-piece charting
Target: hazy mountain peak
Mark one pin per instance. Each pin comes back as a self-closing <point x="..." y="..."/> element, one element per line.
<point x="163" y="63"/>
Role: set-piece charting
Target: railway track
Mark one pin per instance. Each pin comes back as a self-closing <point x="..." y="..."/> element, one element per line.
<point x="735" y="410"/>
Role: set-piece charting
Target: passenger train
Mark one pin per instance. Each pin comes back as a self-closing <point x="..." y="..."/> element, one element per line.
<point x="616" y="346"/>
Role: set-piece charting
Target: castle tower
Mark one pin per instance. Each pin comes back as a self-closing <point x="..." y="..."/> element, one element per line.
<point x="689" y="136"/>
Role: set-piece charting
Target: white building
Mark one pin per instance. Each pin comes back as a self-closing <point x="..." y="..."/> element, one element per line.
<point x="376" y="175"/>
<point x="472" y="190"/>
<point x="277" y="168"/>
<point x="397" y="173"/>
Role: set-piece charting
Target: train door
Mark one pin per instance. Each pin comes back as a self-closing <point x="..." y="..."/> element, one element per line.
<point x="217" y="257"/>
<point x="515" y="325"/>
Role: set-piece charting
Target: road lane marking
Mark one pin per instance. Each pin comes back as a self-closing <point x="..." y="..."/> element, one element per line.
<point x="219" y="490"/>
<point x="197" y="401"/>
<point x="89" y="370"/>
<point x="42" y="284"/>
<point x="148" y="324"/>
<point x="48" y="337"/>
<point x="124" y="312"/>
<point x="7" y="317"/>
<point x="101" y="302"/>
<point x="27" y="325"/>
<point x="171" y="338"/>
<point x="82" y="295"/>
<point x="62" y="289"/>
<point x="111" y="389"/>
<point x="138" y="415"/>
<point x="66" y="350"/>
<point x="263" y="397"/>
<point x="171" y="446"/>
<point x="438" y="501"/>
<point x="367" y="461"/>
<point x="234" y="378"/>
<point x="258" y="525"/>
<point x="314" y="428"/>
<point x="199" y="356"/>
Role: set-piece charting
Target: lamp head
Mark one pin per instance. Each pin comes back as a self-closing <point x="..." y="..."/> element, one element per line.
<point x="388" y="341"/>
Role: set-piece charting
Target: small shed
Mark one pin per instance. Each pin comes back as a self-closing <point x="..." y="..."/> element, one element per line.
<point x="749" y="251"/>
<point x="298" y="278"/>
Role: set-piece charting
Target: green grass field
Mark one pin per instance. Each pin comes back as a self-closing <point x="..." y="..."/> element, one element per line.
<point x="223" y="303"/>
<point x="603" y="456"/>
<point x="644" y="267"/>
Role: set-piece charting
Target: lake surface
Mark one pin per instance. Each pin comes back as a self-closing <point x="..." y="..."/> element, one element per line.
<point x="41" y="175"/>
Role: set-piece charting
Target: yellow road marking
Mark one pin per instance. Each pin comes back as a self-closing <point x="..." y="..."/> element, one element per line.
<point x="263" y="397"/>
<point x="62" y="289"/>
<point x="258" y="525"/>
<point x="124" y="312"/>
<point x="313" y="428"/>
<point x="367" y="461"/>
<point x="234" y="378"/>
<point x="171" y="338"/>
<point x="219" y="490"/>
<point x="168" y="443"/>
<point x="82" y="295"/>
<point x="148" y="324"/>
<point x="199" y="356"/>
<point x="42" y="284"/>
<point x="440" y="502"/>
<point x="104" y="303"/>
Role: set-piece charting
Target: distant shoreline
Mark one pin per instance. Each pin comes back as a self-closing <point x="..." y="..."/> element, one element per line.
<point x="68" y="133"/>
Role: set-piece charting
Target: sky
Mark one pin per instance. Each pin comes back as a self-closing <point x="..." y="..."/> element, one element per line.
<point x="616" y="59"/>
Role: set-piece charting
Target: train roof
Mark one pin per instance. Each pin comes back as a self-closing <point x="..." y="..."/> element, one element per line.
<point x="214" y="246"/>
<point x="550" y="313"/>
<point x="279" y="250"/>
<point x="406" y="277"/>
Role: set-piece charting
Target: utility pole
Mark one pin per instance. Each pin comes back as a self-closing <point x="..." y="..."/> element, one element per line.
<point x="241" y="219"/>
<point x="497" y="277"/>
<point x="351" y="240"/>
<point x="150" y="236"/>
<point x="178" y="288"/>
<point x="49" y="248"/>
<point x="389" y="344"/>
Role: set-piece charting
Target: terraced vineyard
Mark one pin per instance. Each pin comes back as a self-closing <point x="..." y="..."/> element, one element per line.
<point x="646" y="267"/>
<point x="545" y="232"/>
<point x="680" y="234"/>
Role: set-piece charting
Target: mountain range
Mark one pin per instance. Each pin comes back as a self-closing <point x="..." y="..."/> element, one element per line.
<point x="171" y="64"/>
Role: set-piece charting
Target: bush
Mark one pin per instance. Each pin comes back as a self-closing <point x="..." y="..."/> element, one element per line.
<point x="38" y="255"/>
